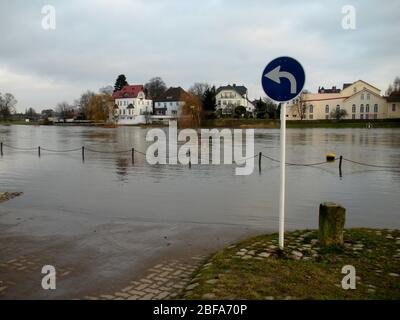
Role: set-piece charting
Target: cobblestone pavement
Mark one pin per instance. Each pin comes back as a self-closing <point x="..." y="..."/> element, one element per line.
<point x="23" y="265"/>
<point x="163" y="281"/>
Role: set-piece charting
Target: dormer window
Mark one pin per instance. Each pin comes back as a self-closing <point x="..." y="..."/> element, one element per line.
<point x="355" y="89"/>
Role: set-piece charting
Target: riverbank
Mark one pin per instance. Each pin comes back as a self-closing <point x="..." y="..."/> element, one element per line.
<point x="5" y="196"/>
<point x="249" y="123"/>
<point x="254" y="268"/>
<point x="275" y="123"/>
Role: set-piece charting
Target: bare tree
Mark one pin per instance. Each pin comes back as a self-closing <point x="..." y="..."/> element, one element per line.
<point x="99" y="108"/>
<point x="62" y="109"/>
<point x="155" y="87"/>
<point x="199" y="88"/>
<point x="83" y="102"/>
<point x="338" y="114"/>
<point x="30" y="112"/>
<point x="107" y="90"/>
<point x="394" y="87"/>
<point x="300" y="103"/>
<point x="7" y="106"/>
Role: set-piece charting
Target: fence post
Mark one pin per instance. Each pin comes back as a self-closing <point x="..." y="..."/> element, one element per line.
<point x="39" y="151"/>
<point x="259" y="161"/>
<point x="340" y="166"/>
<point x="332" y="217"/>
<point x="1" y="148"/>
<point x="133" y="155"/>
<point x="83" y="153"/>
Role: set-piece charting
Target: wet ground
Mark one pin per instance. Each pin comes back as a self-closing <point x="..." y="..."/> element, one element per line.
<point x="99" y="260"/>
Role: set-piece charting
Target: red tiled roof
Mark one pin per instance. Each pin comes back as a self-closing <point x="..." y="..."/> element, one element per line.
<point x="130" y="91"/>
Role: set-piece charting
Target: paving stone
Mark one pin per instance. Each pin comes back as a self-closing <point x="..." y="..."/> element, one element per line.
<point x="122" y="294"/>
<point x="127" y="289"/>
<point x="162" y="295"/>
<point x="212" y="281"/>
<point x="264" y="254"/>
<point x="136" y="292"/>
<point x="296" y="254"/>
<point x="192" y="286"/>
<point x="148" y="296"/>
<point x="153" y="291"/>
<point x="142" y="286"/>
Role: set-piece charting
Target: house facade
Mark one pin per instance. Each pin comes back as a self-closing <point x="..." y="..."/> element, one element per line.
<point x="360" y="99"/>
<point x="231" y="96"/>
<point x="131" y="105"/>
<point x="393" y="103"/>
<point x="169" y="105"/>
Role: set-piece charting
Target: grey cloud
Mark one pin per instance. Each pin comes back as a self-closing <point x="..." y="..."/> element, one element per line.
<point x="187" y="41"/>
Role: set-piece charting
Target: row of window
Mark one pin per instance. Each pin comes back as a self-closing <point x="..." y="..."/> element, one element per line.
<point x="126" y="111"/>
<point x="225" y="103"/>
<point x="164" y="104"/>
<point x="353" y="116"/>
<point x="353" y="108"/>
<point x="368" y="96"/>
<point x="140" y="102"/>
<point x="228" y="95"/>
<point x="163" y="112"/>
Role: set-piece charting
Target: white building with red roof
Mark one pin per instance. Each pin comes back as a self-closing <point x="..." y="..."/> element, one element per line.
<point x="131" y="106"/>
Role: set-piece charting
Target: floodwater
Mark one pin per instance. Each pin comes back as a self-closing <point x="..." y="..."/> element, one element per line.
<point x="109" y="185"/>
<point x="110" y="220"/>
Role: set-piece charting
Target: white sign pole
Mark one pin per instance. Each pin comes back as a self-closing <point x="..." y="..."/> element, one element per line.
<point x="282" y="185"/>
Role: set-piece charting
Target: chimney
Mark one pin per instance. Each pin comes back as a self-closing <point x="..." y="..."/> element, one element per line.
<point x="234" y="84"/>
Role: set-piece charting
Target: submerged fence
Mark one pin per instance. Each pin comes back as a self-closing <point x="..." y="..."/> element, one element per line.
<point x="133" y="151"/>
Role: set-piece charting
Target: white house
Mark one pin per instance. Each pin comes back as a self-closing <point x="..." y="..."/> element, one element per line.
<point x="360" y="99"/>
<point x="231" y="96"/>
<point x="131" y="105"/>
<point x="169" y="105"/>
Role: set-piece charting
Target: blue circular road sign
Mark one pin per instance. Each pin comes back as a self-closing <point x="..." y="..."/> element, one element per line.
<point x="283" y="79"/>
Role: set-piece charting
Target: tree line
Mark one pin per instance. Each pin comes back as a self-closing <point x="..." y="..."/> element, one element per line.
<point x="96" y="106"/>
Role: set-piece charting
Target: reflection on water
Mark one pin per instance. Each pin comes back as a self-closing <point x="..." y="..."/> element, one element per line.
<point x="110" y="185"/>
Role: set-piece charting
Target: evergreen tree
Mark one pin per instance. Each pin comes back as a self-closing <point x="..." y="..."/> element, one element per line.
<point x="120" y="82"/>
<point x="208" y="100"/>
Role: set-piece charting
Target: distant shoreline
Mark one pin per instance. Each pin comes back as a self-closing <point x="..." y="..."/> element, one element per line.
<point x="247" y="124"/>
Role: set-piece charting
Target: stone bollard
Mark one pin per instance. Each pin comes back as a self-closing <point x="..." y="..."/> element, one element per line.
<point x="332" y="217"/>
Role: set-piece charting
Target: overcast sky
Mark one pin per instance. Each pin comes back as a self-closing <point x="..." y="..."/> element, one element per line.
<point x="183" y="41"/>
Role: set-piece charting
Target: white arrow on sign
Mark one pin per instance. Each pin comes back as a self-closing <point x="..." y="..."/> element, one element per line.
<point x="276" y="75"/>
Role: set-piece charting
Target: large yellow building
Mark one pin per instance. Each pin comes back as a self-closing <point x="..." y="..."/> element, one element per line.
<point x="360" y="99"/>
